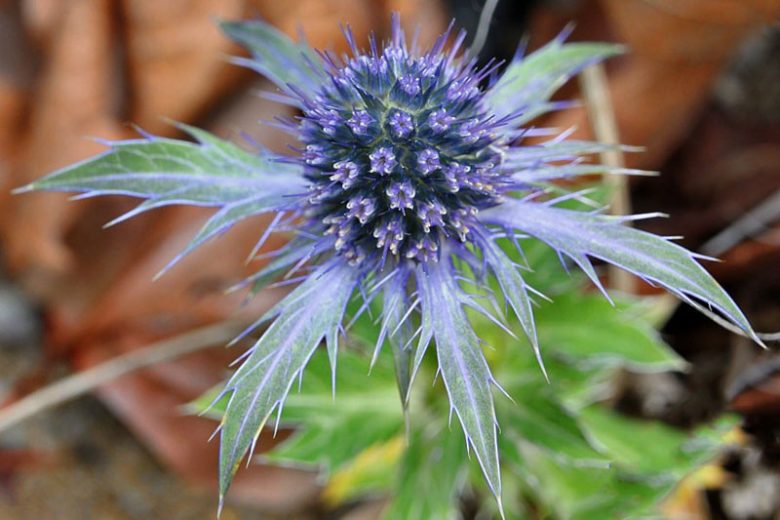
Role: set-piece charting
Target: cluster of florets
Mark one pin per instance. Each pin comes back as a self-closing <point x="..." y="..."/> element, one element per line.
<point x="400" y="155"/>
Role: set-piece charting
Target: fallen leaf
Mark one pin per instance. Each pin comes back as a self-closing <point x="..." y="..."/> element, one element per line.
<point x="664" y="83"/>
<point x="74" y="98"/>
<point x="177" y="59"/>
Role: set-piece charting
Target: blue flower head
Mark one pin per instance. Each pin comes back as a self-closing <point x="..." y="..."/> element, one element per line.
<point x="401" y="154"/>
<point x="412" y="172"/>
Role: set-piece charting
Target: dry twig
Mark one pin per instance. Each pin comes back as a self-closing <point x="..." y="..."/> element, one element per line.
<point x="601" y="113"/>
<point x="80" y="383"/>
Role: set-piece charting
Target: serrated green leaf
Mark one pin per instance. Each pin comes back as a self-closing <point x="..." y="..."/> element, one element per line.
<point x="575" y="493"/>
<point x="328" y="445"/>
<point x="578" y="385"/>
<point x="432" y="474"/>
<point x="538" y="418"/>
<point x="648" y="460"/>
<point x="331" y="430"/>
<point x="586" y="327"/>
<point x="277" y="57"/>
<point x="514" y="290"/>
<point x="462" y="365"/>
<point x="580" y="235"/>
<point x="644" y="446"/>
<point x="529" y="82"/>
<point x="312" y="312"/>
<point x="357" y="388"/>
<point x="211" y="172"/>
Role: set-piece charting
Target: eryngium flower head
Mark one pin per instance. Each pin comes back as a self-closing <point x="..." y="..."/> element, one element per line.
<point x="413" y="177"/>
<point x="401" y="152"/>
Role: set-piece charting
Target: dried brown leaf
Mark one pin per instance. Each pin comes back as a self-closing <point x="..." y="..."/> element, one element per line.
<point x="177" y="58"/>
<point x="665" y="81"/>
<point x="74" y="99"/>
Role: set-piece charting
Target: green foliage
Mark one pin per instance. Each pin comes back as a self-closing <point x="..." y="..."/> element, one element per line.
<point x="333" y="428"/>
<point x="364" y="412"/>
<point x="565" y="456"/>
<point x="588" y="329"/>
<point x="431" y="474"/>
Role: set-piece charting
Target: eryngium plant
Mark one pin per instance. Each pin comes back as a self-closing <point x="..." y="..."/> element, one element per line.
<point x="412" y="166"/>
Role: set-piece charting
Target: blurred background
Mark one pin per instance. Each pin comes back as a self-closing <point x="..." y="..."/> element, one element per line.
<point x="700" y="90"/>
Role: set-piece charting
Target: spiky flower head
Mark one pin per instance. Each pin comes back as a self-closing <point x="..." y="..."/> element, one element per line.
<point x="401" y="152"/>
<point x="413" y="176"/>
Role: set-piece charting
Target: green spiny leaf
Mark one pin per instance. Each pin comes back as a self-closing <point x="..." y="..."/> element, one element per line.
<point x="529" y="82"/>
<point x="566" y="491"/>
<point x="540" y="419"/>
<point x="462" y="365"/>
<point x="580" y="235"/>
<point x="211" y="172"/>
<point x="277" y="57"/>
<point x="312" y="312"/>
<point x="515" y="291"/>
<point x="646" y="446"/>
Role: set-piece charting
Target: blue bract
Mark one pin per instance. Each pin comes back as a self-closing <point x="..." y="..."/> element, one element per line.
<point x="412" y="171"/>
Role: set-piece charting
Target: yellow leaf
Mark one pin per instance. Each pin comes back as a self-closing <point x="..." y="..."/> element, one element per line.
<point x="374" y="464"/>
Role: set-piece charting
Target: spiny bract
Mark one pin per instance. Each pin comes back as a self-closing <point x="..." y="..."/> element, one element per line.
<point x="413" y="169"/>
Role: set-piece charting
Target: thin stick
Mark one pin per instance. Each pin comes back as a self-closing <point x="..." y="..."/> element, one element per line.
<point x="482" y="29"/>
<point x="749" y="225"/>
<point x="601" y="114"/>
<point x="78" y="384"/>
